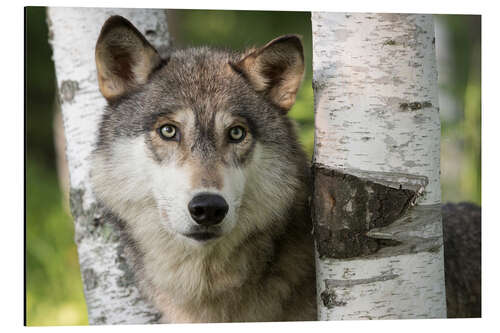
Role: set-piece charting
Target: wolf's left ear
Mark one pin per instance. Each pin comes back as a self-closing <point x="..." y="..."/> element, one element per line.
<point x="124" y="57"/>
<point x="276" y="69"/>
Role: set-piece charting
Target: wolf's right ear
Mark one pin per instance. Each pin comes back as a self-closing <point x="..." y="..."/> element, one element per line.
<point x="124" y="58"/>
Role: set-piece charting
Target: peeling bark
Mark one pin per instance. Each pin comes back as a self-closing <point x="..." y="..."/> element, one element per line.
<point x="111" y="295"/>
<point x="376" y="202"/>
<point x="347" y="207"/>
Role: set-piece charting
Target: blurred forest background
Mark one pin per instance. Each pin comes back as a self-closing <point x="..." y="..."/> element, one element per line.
<point x="54" y="293"/>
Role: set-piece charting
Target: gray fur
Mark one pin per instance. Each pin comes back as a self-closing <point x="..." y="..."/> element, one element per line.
<point x="462" y="254"/>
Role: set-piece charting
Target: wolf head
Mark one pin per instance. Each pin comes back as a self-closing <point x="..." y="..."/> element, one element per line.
<point x="197" y="145"/>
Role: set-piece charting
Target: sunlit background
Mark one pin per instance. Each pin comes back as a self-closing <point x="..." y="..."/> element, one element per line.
<point x="54" y="293"/>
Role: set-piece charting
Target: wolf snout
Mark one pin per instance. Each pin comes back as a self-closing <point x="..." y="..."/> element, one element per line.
<point x="208" y="209"/>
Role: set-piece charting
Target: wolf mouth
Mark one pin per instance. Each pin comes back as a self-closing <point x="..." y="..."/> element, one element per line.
<point x="202" y="236"/>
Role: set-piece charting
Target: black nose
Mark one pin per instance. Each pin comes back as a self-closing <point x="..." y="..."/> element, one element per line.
<point x="208" y="209"/>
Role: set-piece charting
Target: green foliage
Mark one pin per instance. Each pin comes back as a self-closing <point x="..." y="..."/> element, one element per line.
<point x="303" y="113"/>
<point x="53" y="285"/>
<point x="40" y="86"/>
<point x="461" y="131"/>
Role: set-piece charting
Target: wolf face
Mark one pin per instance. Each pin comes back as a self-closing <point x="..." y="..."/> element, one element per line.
<point x="196" y="145"/>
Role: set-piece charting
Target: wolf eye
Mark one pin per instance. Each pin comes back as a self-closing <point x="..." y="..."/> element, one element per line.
<point x="237" y="134"/>
<point x="168" y="131"/>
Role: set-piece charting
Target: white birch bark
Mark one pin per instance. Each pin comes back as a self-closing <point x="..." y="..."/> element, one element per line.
<point x="111" y="296"/>
<point x="377" y="153"/>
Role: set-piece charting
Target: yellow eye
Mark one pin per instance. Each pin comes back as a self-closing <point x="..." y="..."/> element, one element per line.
<point x="237" y="134"/>
<point x="168" y="131"/>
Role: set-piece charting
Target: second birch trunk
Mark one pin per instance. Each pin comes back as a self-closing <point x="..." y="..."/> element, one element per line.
<point x="376" y="203"/>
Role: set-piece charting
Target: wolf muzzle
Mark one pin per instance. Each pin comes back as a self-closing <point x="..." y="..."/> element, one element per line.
<point x="208" y="209"/>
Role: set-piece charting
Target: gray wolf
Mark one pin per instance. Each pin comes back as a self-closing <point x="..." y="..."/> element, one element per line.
<point x="197" y="158"/>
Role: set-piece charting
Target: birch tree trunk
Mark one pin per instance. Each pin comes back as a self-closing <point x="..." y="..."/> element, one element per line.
<point x="111" y="296"/>
<point x="376" y="203"/>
